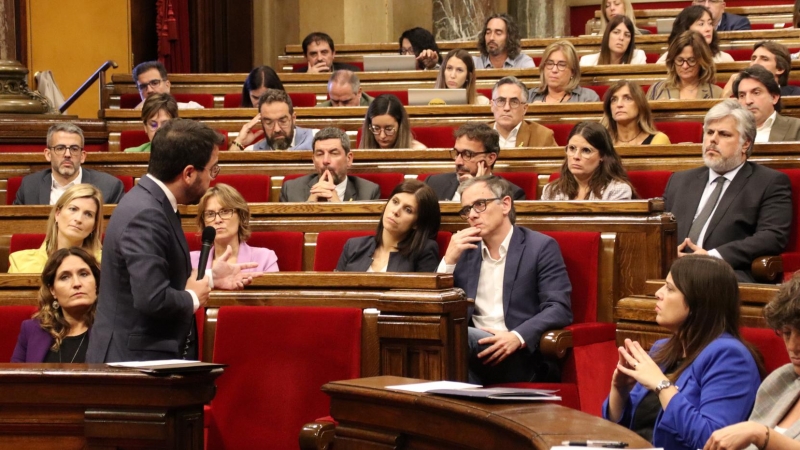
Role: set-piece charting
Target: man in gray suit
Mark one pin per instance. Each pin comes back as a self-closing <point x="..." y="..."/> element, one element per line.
<point x="149" y="293"/>
<point x="65" y="154"/>
<point x="276" y="122"/>
<point x="758" y="92"/>
<point x="332" y="159"/>
<point x="731" y="208"/>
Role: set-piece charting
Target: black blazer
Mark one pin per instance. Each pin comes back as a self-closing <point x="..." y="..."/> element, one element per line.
<point x="357" y="257"/>
<point x="732" y="22"/>
<point x="752" y="218"/>
<point x="446" y="184"/>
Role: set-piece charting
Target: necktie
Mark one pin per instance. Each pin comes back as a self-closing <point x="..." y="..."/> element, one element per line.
<point x="702" y="218"/>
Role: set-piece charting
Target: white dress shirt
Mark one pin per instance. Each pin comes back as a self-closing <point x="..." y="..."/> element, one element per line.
<point x="56" y="190"/>
<point x="340" y="188"/>
<point x="706" y="194"/>
<point x="511" y="140"/>
<point x="762" y="132"/>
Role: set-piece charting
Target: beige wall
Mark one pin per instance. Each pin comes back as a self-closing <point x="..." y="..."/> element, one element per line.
<point x="73" y="38"/>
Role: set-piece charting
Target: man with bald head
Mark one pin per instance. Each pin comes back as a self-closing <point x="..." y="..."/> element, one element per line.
<point x="344" y="89"/>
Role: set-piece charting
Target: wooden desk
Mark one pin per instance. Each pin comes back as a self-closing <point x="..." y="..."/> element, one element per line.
<point x="370" y="416"/>
<point x="91" y="406"/>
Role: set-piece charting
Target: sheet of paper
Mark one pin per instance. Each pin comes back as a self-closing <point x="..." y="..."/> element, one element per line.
<point x="162" y="362"/>
<point x="425" y="387"/>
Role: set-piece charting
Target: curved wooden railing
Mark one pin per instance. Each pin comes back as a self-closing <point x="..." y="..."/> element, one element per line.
<point x="99" y="74"/>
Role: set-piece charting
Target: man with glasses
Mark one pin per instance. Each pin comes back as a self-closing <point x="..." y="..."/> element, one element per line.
<point x="475" y="152"/>
<point x="518" y="280"/>
<point x="509" y="104"/>
<point x="65" y="154"/>
<point x="331" y="183"/>
<point x="149" y="293"/>
<point x="276" y="122"/>
<point x="500" y="45"/>
<point x="151" y="78"/>
<point x="723" y="21"/>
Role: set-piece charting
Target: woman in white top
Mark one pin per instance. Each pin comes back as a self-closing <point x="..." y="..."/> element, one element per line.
<point x="458" y="72"/>
<point x="618" y="46"/>
<point x="591" y="170"/>
<point x="698" y="18"/>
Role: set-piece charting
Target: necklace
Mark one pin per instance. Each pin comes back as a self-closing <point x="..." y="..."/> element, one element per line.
<point x="76" y="351"/>
<point x="634" y="138"/>
<point x="560" y="101"/>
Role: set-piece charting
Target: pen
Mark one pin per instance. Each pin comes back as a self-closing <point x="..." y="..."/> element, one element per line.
<point x="602" y="444"/>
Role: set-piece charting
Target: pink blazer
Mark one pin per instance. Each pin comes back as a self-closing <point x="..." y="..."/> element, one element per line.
<point x="266" y="258"/>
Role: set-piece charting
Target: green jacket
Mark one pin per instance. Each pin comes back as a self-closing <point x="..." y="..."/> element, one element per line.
<point x="365" y="101"/>
<point x="144" y="148"/>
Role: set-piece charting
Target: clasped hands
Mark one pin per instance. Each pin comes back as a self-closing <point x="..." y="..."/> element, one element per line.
<point x="696" y="250"/>
<point x="635" y="365"/>
<point x="324" y="190"/>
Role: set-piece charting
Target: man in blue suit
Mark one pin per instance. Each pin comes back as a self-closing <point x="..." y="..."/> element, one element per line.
<point x="518" y="280"/>
<point x="148" y="294"/>
<point x="723" y="21"/>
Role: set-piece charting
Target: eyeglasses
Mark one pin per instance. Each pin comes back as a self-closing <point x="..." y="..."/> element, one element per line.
<point x="690" y="61"/>
<point x="283" y="122"/>
<point x="214" y="171"/>
<point x="223" y="214"/>
<point x="585" y="152"/>
<point x="466" y="155"/>
<point x="61" y="149"/>
<point x="479" y="206"/>
<point x="513" y="103"/>
<point x="152" y="83"/>
<point x="407" y="51"/>
<point x="549" y="64"/>
<point x="376" y="130"/>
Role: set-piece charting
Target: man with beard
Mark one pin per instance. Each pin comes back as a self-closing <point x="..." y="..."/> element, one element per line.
<point x="500" y="45"/>
<point x="65" y="154"/>
<point x="276" y="118"/>
<point x="476" y="150"/>
<point x="730" y="209"/>
<point x="149" y="294"/>
<point x="332" y="159"/>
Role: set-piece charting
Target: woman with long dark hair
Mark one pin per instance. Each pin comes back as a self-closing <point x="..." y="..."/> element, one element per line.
<point x="618" y="45"/>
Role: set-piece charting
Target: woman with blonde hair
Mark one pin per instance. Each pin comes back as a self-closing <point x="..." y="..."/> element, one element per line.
<point x="76" y="220"/>
<point x="458" y="72"/>
<point x="628" y="118"/>
<point x="560" y="76"/>
<point x="691" y="73"/>
<point x="58" y="331"/>
<point x="613" y="8"/>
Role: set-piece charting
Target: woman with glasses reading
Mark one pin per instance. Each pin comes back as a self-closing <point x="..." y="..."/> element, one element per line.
<point x="627" y="116"/>
<point x="76" y="220"/>
<point x="405" y="240"/>
<point x="560" y="76"/>
<point x="224" y="208"/>
<point x="691" y="73"/>
<point x="618" y="45"/>
<point x="697" y="18"/>
<point x="458" y="72"/>
<point x="386" y="126"/>
<point x="157" y="110"/>
<point x="591" y="170"/>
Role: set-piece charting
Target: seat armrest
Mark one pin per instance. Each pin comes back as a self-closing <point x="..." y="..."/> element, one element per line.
<point x="767" y="269"/>
<point x="555" y="343"/>
<point x="317" y="435"/>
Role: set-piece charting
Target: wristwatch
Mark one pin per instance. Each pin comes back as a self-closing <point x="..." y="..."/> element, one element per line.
<point x="661" y="386"/>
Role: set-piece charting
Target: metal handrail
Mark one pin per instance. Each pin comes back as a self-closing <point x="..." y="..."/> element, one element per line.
<point x="100" y="74"/>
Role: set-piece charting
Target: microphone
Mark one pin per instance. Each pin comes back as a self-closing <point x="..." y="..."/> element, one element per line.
<point x="209" y="233"/>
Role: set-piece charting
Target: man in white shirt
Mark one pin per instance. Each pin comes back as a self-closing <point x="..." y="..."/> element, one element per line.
<point x="518" y="280"/>
<point x="509" y="104"/>
<point x="730" y="208"/>
<point x="151" y="78"/>
<point x="500" y="45"/>
<point x="759" y="93"/>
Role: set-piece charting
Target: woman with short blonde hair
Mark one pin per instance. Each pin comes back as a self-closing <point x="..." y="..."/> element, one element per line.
<point x="560" y="76"/>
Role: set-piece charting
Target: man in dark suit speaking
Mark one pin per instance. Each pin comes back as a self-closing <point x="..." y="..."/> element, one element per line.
<point x="731" y="208"/>
<point x="148" y="294"/>
<point x="518" y="280"/>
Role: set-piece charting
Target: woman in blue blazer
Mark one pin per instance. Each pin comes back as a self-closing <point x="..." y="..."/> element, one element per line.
<point x="700" y="379"/>
<point x="406" y="237"/>
<point x="59" y="330"/>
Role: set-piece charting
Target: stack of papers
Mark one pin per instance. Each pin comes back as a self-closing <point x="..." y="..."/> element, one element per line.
<point x="476" y="391"/>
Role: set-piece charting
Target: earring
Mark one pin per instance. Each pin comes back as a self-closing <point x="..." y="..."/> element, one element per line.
<point x="56" y="305"/>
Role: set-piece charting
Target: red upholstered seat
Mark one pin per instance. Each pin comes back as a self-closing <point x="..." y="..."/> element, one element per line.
<point x="740" y="54"/>
<point x="299" y="100"/>
<point x="287" y="245"/>
<point x="25" y="241"/>
<point x="599" y="88"/>
<point x="271" y="387"/>
<point x="402" y="95"/>
<point x="129" y="101"/>
<point x="435" y="137"/>
<point x="560" y="132"/>
<point x="331" y="243"/>
<point x="769" y="344"/>
<point x="254" y="188"/>
<point x="485" y="92"/>
<point x="387" y="181"/>
<point x="11" y="318"/>
<point x="650" y="183"/>
<point x="127" y="182"/>
<point x="13" y="184"/>
<point x="652" y="58"/>
<point x="679" y="132"/>
<point x="527" y="181"/>
<point x="791" y="256"/>
<point x="588" y="367"/>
